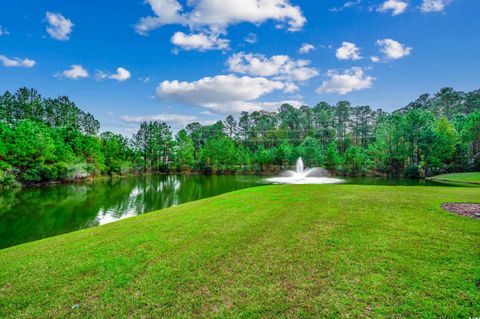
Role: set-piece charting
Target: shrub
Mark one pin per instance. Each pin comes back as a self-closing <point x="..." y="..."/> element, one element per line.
<point x="7" y="179"/>
<point x="412" y="171"/>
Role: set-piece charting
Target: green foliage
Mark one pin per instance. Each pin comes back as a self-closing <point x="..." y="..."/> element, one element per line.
<point x="471" y="131"/>
<point x="311" y="151"/>
<point x="7" y="177"/>
<point x="44" y="140"/>
<point x="356" y="161"/>
<point x="184" y="152"/>
<point x="332" y="156"/>
<point x="115" y="149"/>
<point x="220" y="153"/>
<point x="154" y="143"/>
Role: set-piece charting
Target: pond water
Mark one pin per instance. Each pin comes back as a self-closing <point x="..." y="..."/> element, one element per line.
<point x="36" y="213"/>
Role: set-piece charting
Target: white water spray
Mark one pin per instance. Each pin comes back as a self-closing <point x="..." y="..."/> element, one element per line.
<point x="314" y="175"/>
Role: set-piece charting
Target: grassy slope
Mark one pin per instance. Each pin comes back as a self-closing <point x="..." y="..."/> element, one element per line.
<point x="473" y="178"/>
<point x="267" y="252"/>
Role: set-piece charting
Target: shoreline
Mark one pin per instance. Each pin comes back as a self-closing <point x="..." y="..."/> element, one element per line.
<point x="95" y="178"/>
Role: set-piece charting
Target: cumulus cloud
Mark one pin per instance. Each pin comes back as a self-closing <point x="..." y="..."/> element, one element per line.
<point x="428" y="6"/>
<point x="59" y="27"/>
<point x="213" y="17"/>
<point x="16" y="62"/>
<point x="218" y="15"/>
<point x="348" y="51"/>
<point x="395" y="6"/>
<point x="221" y="93"/>
<point x="75" y="72"/>
<point x="280" y="67"/>
<point x="121" y="75"/>
<point x="3" y="31"/>
<point x="353" y="79"/>
<point x="375" y="59"/>
<point x="392" y="49"/>
<point x="200" y="41"/>
<point x="166" y="12"/>
<point x="306" y="48"/>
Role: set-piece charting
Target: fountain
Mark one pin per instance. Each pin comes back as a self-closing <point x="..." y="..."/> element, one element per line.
<point x="314" y="175"/>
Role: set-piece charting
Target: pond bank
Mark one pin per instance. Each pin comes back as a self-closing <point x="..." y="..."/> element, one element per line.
<point x="28" y="214"/>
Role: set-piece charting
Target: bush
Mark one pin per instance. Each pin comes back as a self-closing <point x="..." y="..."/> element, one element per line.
<point x="7" y="179"/>
<point x="49" y="172"/>
<point x="476" y="162"/>
<point x="412" y="171"/>
<point x="80" y="170"/>
<point x="120" y="167"/>
<point x="32" y="175"/>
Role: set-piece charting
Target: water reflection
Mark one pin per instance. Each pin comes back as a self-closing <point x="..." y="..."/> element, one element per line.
<point x="32" y="214"/>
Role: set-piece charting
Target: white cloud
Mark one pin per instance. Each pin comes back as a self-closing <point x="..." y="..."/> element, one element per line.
<point x="200" y="41"/>
<point x="395" y="6"/>
<point x="176" y="120"/>
<point x="216" y="15"/>
<point x="221" y="93"/>
<point x="100" y="75"/>
<point x="434" y="5"/>
<point x="291" y="87"/>
<point x="353" y="79"/>
<point x="274" y="106"/>
<point x="59" y="27"/>
<point x="3" y="31"/>
<point x="346" y="5"/>
<point x="251" y="38"/>
<point x="121" y="75"/>
<point x="280" y="67"/>
<point x="306" y="48"/>
<point x="375" y="59"/>
<point x="392" y="49"/>
<point x="75" y="72"/>
<point x="166" y="12"/>
<point x="16" y="62"/>
<point x="348" y="51"/>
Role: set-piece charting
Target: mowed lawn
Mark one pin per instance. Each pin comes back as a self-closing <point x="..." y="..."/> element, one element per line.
<point x="299" y="251"/>
<point x="473" y="178"/>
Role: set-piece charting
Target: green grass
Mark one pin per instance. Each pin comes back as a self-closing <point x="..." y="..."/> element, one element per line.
<point x="472" y="178"/>
<point x="301" y="251"/>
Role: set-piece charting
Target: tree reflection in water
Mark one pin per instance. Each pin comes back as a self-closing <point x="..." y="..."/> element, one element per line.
<point x="35" y="213"/>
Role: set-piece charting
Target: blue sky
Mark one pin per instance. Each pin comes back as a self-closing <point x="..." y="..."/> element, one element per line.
<point x="179" y="61"/>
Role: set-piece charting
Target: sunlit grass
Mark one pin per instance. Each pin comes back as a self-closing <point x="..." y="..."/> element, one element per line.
<point x="459" y="177"/>
<point x="267" y="252"/>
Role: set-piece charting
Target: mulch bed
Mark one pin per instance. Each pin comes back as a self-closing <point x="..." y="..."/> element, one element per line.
<point x="463" y="209"/>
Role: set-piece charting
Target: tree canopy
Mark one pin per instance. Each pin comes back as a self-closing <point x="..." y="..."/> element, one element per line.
<point x="51" y="139"/>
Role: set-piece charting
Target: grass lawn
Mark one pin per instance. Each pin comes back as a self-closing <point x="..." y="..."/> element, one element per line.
<point x="473" y="178"/>
<point x="299" y="251"/>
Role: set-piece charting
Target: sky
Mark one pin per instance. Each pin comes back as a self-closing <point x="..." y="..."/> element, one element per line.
<point x="183" y="61"/>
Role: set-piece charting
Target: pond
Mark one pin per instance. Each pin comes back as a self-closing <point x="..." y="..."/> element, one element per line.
<point x="36" y="213"/>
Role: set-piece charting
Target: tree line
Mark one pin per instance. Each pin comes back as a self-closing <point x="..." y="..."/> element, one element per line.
<point x="52" y="140"/>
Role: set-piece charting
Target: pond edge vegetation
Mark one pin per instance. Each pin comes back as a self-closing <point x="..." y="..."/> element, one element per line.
<point x="51" y="140"/>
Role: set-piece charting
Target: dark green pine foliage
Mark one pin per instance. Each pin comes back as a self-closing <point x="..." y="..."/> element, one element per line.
<point x="52" y="140"/>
